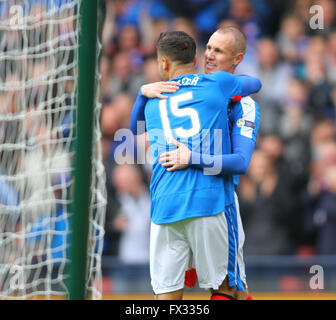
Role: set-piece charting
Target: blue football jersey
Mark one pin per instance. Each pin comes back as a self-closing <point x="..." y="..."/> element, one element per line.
<point x="244" y="119"/>
<point x="196" y="115"/>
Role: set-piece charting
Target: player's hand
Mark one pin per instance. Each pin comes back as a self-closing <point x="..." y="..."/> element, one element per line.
<point x="155" y="89"/>
<point x="177" y="159"/>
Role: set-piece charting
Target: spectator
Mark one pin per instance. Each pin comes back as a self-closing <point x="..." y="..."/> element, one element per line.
<point x="42" y="176"/>
<point x="244" y="14"/>
<point x="295" y="126"/>
<point x="133" y="219"/>
<point x="274" y="146"/>
<point x="267" y="208"/>
<point x="150" y="70"/>
<point x="109" y="125"/>
<point x="123" y="104"/>
<point x="133" y="222"/>
<point x="292" y="40"/>
<point x="319" y="99"/>
<point x="123" y="78"/>
<point x="128" y="41"/>
<point x="331" y="58"/>
<point x="203" y="14"/>
<point x="319" y="196"/>
<point x="323" y="131"/>
<point x="105" y="70"/>
<point x="275" y="76"/>
<point x="325" y="214"/>
<point x="300" y="9"/>
<point x="114" y="116"/>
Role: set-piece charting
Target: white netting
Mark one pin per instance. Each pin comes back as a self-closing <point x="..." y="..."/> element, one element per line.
<point x="38" y="87"/>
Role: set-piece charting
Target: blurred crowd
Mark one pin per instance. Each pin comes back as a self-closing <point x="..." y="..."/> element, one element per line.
<point x="36" y="81"/>
<point x="288" y="196"/>
<point x="37" y="103"/>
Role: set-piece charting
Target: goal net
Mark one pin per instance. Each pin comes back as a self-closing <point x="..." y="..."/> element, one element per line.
<point x="38" y="108"/>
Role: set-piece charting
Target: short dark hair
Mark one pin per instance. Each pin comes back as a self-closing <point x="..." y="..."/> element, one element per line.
<point x="178" y="46"/>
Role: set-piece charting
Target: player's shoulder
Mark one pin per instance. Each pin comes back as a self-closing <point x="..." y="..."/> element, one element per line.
<point x="247" y="100"/>
<point x="245" y="106"/>
<point x="249" y="103"/>
<point x="220" y="75"/>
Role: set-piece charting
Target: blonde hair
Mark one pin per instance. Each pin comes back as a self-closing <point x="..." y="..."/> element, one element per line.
<point x="238" y="35"/>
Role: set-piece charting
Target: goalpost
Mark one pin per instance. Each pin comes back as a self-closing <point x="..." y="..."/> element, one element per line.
<point x="52" y="180"/>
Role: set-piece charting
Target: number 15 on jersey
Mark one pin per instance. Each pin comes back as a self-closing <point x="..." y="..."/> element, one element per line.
<point x="192" y="113"/>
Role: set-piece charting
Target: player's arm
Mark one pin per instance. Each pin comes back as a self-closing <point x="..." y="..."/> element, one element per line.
<point x="249" y="84"/>
<point x="245" y="118"/>
<point x="138" y="112"/>
<point x="236" y="86"/>
<point x="235" y="163"/>
<point x="152" y="90"/>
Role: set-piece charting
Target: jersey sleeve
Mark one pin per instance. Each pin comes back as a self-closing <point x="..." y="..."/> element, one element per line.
<point x="244" y="118"/>
<point x="234" y="163"/>
<point x="249" y="84"/>
<point x="229" y="84"/>
<point x="237" y="86"/>
<point x="138" y="113"/>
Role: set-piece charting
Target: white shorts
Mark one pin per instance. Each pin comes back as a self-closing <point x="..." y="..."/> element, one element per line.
<point x="208" y="243"/>
<point x="241" y="240"/>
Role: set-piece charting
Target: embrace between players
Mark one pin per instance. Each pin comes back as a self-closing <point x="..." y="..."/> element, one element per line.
<point x="210" y="133"/>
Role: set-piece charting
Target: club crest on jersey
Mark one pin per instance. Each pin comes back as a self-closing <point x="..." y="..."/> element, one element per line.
<point x="240" y="122"/>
